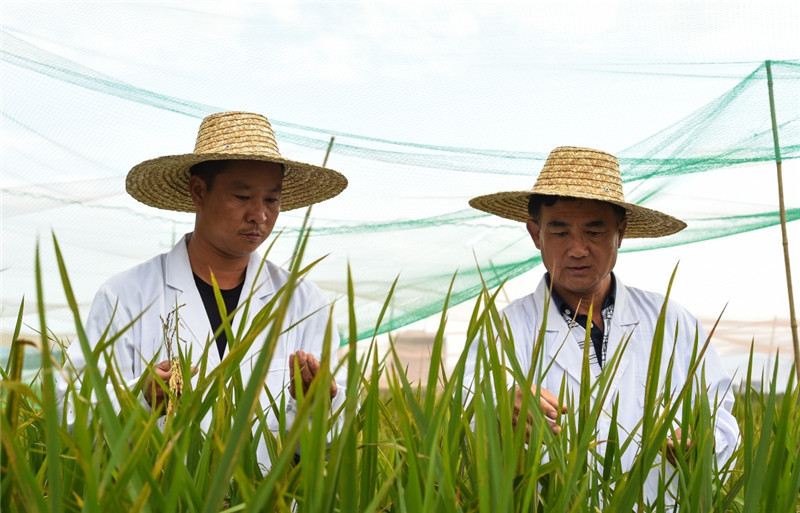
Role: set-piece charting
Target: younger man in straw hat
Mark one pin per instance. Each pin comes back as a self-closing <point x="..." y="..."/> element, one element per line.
<point x="577" y="217"/>
<point x="236" y="183"/>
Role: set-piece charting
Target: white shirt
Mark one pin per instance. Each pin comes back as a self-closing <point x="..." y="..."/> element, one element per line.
<point x="635" y="315"/>
<point x="161" y="284"/>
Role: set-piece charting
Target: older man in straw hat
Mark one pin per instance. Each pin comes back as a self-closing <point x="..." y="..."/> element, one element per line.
<point x="236" y="183"/>
<point x="577" y="217"/>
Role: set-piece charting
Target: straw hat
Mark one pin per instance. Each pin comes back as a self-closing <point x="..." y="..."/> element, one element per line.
<point x="581" y="173"/>
<point x="164" y="182"/>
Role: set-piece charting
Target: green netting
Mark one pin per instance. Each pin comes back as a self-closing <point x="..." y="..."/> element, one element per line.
<point x="70" y="134"/>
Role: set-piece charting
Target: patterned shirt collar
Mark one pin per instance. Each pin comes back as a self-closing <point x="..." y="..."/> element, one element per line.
<point x="565" y="308"/>
<point x="578" y="323"/>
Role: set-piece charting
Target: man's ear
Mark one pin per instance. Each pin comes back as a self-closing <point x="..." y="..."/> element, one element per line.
<point x="621" y="231"/>
<point x="197" y="190"/>
<point x="533" y="229"/>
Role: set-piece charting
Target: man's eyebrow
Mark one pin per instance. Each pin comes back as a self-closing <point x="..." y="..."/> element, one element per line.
<point x="241" y="185"/>
<point x="563" y="224"/>
<point x="246" y="186"/>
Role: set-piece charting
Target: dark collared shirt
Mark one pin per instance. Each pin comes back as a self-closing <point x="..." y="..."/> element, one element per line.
<point x="599" y="336"/>
<point x="231" y="299"/>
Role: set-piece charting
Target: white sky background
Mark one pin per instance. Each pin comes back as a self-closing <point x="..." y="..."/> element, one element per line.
<point x="463" y="74"/>
<point x="525" y="76"/>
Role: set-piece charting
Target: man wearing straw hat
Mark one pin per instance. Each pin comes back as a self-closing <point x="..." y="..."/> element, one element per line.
<point x="236" y="183"/>
<point x="577" y="217"/>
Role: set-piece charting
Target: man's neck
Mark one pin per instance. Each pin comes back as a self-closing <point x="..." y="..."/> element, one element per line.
<point x="580" y="303"/>
<point x="229" y="272"/>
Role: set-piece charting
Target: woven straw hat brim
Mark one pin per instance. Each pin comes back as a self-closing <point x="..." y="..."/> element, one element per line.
<point x="575" y="172"/>
<point x="163" y="182"/>
<point x="642" y="222"/>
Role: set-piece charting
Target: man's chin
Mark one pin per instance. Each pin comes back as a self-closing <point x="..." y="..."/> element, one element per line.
<point x="578" y="287"/>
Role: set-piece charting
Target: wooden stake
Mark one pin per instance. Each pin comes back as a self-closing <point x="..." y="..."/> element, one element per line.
<point x="793" y="319"/>
<point x="327" y="153"/>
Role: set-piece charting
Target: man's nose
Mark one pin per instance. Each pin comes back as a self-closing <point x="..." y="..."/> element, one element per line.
<point x="257" y="213"/>
<point x="578" y="246"/>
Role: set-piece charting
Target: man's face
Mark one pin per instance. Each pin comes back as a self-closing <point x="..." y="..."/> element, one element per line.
<point x="239" y="211"/>
<point x="579" y="242"/>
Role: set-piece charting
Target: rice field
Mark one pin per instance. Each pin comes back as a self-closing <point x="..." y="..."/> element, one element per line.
<point x="408" y="448"/>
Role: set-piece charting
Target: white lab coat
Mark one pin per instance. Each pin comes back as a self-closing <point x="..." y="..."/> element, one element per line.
<point x="155" y="287"/>
<point x="635" y="315"/>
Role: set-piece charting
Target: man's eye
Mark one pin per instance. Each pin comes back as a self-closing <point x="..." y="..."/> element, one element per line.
<point x="272" y="200"/>
<point x="560" y="234"/>
<point x="241" y="197"/>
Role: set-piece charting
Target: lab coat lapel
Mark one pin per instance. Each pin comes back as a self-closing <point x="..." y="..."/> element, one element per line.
<point x="564" y="350"/>
<point x="561" y="346"/>
<point x="623" y="326"/>
<point x="259" y="287"/>
<point x="191" y="311"/>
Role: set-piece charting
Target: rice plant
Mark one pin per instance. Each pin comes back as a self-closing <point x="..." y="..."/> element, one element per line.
<point x="431" y="446"/>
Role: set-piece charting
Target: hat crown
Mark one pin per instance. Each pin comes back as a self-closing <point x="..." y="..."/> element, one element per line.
<point x="580" y="172"/>
<point x="240" y="133"/>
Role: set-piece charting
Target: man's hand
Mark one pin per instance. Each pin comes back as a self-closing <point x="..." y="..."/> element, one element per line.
<point x="154" y="393"/>
<point x="309" y="367"/>
<point x="670" y="452"/>
<point x="548" y="404"/>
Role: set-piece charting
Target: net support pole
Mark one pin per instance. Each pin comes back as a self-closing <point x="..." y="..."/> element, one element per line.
<point x="793" y="319"/>
<point x="328" y="153"/>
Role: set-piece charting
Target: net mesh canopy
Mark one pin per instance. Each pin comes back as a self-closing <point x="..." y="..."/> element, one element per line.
<point x="403" y="216"/>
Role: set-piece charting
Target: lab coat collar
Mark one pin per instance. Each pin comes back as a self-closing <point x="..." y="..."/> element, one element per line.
<point x="562" y="347"/>
<point x="260" y="281"/>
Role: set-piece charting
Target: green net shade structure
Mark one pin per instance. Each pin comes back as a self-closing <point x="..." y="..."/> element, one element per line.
<point x="404" y="215"/>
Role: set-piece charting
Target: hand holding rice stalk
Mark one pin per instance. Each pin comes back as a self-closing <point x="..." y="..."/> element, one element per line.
<point x="175" y="384"/>
<point x="175" y="369"/>
<point x="170" y="373"/>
